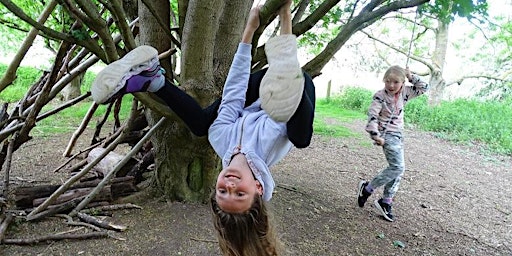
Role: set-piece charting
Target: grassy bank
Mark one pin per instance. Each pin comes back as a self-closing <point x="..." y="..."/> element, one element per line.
<point x="462" y="120"/>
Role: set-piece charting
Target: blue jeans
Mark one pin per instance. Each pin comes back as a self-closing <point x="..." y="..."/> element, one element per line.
<point x="391" y="176"/>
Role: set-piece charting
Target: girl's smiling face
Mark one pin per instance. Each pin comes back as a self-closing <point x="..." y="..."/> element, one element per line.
<point x="236" y="189"/>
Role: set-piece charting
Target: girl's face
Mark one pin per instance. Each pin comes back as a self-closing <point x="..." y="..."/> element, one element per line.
<point x="236" y="189"/>
<point x="393" y="84"/>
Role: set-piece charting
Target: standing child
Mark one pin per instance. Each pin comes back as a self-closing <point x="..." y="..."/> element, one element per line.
<point x="249" y="133"/>
<point x="385" y="126"/>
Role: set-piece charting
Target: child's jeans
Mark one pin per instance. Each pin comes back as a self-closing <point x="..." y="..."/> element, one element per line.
<point x="391" y="176"/>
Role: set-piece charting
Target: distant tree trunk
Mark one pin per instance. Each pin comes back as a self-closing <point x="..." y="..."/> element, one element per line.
<point x="437" y="83"/>
<point x="72" y="90"/>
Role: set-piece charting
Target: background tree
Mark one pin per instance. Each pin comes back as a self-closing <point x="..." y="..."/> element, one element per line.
<point x="197" y="40"/>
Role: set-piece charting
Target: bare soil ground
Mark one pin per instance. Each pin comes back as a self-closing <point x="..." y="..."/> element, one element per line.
<point x="454" y="200"/>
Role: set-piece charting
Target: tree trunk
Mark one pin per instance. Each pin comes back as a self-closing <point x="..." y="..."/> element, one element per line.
<point x="72" y="90"/>
<point x="185" y="166"/>
<point x="437" y="83"/>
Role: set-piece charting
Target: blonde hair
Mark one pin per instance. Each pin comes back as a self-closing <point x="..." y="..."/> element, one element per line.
<point x="245" y="234"/>
<point x="397" y="72"/>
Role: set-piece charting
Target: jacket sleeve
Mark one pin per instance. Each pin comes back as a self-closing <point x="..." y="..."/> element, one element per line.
<point x="372" y="127"/>
<point x="233" y="99"/>
<point x="418" y="88"/>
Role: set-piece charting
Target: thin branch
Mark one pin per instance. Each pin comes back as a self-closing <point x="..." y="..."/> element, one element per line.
<point x="10" y="73"/>
<point x="80" y="129"/>
<point x="8" y="160"/>
<point x="55" y="237"/>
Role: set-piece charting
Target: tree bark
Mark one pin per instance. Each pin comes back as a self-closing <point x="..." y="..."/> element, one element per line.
<point x="437" y="82"/>
<point x="191" y="177"/>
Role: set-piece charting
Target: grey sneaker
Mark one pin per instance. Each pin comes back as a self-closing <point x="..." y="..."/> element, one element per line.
<point x="362" y="194"/>
<point x="282" y="86"/>
<point x="112" y="79"/>
<point x="385" y="209"/>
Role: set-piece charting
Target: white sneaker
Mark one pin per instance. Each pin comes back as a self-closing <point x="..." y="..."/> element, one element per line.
<point x="113" y="77"/>
<point x="282" y="86"/>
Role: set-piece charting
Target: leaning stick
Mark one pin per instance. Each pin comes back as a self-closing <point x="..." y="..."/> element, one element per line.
<point x="82" y="163"/>
<point x="118" y="167"/>
<point x="5" y="224"/>
<point x="15" y="126"/>
<point x="56" y="237"/>
<point x="99" y="223"/>
<point x="80" y="129"/>
<point x="8" y="160"/>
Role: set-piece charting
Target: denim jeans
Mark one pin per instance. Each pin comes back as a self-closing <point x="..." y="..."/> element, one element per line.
<point x="390" y="177"/>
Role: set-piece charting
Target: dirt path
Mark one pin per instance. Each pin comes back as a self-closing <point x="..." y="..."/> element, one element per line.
<point x="453" y="201"/>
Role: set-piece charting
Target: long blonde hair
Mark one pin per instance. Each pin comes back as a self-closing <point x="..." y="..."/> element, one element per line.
<point x="245" y="234"/>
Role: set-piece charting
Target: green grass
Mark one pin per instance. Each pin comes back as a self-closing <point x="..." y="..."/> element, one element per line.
<point x="69" y="119"/>
<point x="467" y="121"/>
<point x="329" y="119"/>
<point x="482" y="122"/>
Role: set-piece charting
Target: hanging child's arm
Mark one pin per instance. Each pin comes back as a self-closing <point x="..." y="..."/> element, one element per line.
<point x="233" y="95"/>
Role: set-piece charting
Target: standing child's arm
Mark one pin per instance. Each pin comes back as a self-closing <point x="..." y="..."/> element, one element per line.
<point x="419" y="86"/>
<point x="372" y="127"/>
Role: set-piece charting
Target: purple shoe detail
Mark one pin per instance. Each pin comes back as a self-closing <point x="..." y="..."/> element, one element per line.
<point x="149" y="80"/>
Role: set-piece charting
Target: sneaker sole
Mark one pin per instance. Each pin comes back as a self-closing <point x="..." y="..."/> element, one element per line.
<point x="377" y="205"/>
<point x="107" y="82"/>
<point x="360" y="188"/>
<point x="360" y="191"/>
<point x="281" y="88"/>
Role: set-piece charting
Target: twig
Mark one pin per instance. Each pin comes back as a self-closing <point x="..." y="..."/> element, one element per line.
<point x="5" y="224"/>
<point x="63" y="106"/>
<point x="113" y="207"/>
<point x="8" y="160"/>
<point x="71" y="222"/>
<point x="80" y="129"/>
<point x="82" y="163"/>
<point x="102" y="224"/>
<point x="203" y="240"/>
<point x="55" y="237"/>
<point x="290" y="188"/>
<point x="77" y="166"/>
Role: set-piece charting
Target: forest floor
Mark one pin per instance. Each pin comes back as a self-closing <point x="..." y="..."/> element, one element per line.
<point x="453" y="200"/>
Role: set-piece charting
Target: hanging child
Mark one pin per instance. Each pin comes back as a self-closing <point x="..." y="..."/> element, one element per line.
<point x="258" y="120"/>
